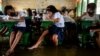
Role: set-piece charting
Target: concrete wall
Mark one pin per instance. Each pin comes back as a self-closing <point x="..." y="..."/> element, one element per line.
<point x="22" y="4"/>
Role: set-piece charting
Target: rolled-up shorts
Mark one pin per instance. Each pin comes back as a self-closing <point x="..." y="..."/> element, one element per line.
<point x="56" y="30"/>
<point x="22" y="29"/>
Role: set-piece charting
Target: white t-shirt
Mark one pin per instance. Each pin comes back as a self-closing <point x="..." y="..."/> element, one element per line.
<point x="68" y="19"/>
<point x="44" y="17"/>
<point x="94" y="18"/>
<point x="57" y="15"/>
<point x="21" y="24"/>
<point x="4" y="17"/>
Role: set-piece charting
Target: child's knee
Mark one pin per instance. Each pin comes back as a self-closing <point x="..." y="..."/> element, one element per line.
<point x="46" y="31"/>
<point x="13" y="32"/>
<point x="98" y="41"/>
<point x="55" y="39"/>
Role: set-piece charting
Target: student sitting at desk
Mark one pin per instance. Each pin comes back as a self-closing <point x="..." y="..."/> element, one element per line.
<point x="18" y="29"/>
<point x="70" y="28"/>
<point x="58" y="20"/>
<point x="91" y="16"/>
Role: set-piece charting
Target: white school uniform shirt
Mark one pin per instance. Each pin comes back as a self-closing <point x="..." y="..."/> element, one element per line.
<point x="21" y="24"/>
<point x="68" y="19"/>
<point x="57" y="15"/>
<point x="93" y="18"/>
<point x="4" y="17"/>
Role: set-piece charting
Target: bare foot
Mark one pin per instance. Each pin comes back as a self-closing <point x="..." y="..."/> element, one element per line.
<point x="8" y="53"/>
<point x="33" y="47"/>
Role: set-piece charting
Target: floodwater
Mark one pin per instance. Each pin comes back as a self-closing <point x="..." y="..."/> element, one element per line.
<point x="56" y="51"/>
<point x="60" y="51"/>
<point x="51" y="51"/>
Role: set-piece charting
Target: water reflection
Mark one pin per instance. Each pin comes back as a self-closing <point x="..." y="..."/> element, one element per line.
<point x="56" y="51"/>
<point x="59" y="51"/>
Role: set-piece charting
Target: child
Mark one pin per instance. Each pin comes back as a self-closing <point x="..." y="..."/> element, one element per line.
<point x="70" y="27"/>
<point x="58" y="20"/>
<point x="91" y="16"/>
<point x="18" y="30"/>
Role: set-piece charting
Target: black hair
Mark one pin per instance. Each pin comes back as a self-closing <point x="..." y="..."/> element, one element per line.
<point x="8" y="7"/>
<point x="52" y="9"/>
<point x="35" y="13"/>
<point x="29" y="12"/>
<point x="91" y="6"/>
<point x="63" y="10"/>
<point x="41" y="14"/>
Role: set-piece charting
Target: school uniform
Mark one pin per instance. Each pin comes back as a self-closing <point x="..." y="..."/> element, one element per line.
<point x="69" y="22"/>
<point x="94" y="20"/>
<point x="20" y="26"/>
<point x="57" y="27"/>
<point x="70" y="30"/>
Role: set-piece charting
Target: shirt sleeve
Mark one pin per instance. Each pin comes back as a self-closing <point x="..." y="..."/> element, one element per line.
<point x="6" y="17"/>
<point x="97" y="19"/>
<point x="83" y="18"/>
<point x="21" y="14"/>
<point x="57" y="15"/>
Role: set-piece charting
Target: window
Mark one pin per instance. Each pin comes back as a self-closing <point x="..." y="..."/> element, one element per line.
<point x="84" y="6"/>
<point x="91" y="1"/>
<point x="98" y="7"/>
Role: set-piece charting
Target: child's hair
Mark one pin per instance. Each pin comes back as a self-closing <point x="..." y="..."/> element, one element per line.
<point x="52" y="9"/>
<point x="91" y="6"/>
<point x="29" y="12"/>
<point x="8" y="7"/>
<point x="35" y="13"/>
<point x="63" y="10"/>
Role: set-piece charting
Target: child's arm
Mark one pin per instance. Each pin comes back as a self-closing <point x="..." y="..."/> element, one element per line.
<point x="95" y="30"/>
<point x="52" y="19"/>
<point x="16" y="18"/>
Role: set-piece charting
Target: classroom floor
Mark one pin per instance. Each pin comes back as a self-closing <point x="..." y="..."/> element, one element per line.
<point x="56" y="51"/>
<point x="50" y="51"/>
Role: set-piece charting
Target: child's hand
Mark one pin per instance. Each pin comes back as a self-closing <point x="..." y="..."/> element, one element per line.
<point x="10" y="17"/>
<point x="47" y="17"/>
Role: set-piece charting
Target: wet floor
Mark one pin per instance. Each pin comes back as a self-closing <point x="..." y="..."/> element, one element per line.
<point x="51" y="51"/>
<point x="57" y="51"/>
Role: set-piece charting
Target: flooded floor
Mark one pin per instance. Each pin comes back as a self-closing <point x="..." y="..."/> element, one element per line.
<point x="51" y="51"/>
<point x="56" y="51"/>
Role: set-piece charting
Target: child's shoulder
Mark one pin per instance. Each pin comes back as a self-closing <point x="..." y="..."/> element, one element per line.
<point x="85" y="16"/>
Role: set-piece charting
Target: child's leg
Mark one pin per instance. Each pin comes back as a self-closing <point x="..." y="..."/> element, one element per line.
<point x="55" y="39"/>
<point x="17" y="39"/>
<point x="39" y="40"/>
<point x="15" y="42"/>
<point x="12" y="36"/>
<point x="98" y="39"/>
